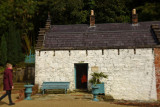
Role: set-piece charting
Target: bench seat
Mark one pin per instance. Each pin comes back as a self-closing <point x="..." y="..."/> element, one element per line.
<point x="55" y="85"/>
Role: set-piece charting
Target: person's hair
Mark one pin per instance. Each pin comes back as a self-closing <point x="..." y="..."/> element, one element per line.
<point x="8" y="65"/>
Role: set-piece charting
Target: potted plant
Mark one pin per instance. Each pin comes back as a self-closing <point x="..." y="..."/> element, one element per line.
<point x="97" y="85"/>
<point x="28" y="91"/>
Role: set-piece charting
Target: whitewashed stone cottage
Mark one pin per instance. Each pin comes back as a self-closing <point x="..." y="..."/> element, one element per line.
<point x="128" y="53"/>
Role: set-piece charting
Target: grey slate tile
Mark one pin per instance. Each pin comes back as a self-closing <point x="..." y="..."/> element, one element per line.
<point x="103" y="35"/>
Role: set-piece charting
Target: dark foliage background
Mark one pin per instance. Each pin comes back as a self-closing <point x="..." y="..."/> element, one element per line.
<point x="20" y="20"/>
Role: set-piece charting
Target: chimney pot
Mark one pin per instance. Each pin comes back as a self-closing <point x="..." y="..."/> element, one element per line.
<point x="134" y="11"/>
<point x="134" y="17"/>
<point x="92" y="12"/>
<point x="92" y="19"/>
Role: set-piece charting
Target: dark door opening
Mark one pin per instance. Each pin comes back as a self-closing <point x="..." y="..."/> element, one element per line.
<point x="81" y="76"/>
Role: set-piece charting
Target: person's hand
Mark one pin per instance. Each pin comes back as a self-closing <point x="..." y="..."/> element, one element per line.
<point x="12" y="87"/>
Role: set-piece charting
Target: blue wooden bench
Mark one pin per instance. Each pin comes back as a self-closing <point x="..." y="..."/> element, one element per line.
<point x="55" y="85"/>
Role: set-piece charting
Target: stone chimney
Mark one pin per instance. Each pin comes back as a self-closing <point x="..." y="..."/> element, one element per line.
<point x="41" y="35"/>
<point x="134" y="17"/>
<point x="48" y="22"/>
<point x="92" y="19"/>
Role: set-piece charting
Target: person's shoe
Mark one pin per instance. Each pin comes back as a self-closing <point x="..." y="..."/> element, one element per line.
<point x="11" y="103"/>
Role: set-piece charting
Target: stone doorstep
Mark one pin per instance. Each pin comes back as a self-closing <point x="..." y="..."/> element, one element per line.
<point x="80" y="90"/>
<point x="61" y="97"/>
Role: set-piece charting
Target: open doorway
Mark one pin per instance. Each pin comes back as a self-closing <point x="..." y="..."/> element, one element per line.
<point x="81" y="76"/>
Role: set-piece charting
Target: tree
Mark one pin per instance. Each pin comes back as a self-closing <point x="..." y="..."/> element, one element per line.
<point x="67" y="11"/>
<point x="5" y="15"/>
<point x="149" y="11"/>
<point x="3" y="51"/>
<point x="89" y="4"/>
<point x="19" y="47"/>
<point x="14" y="45"/>
<point x="22" y="13"/>
<point x="24" y="17"/>
<point x="111" y="11"/>
<point x="30" y="15"/>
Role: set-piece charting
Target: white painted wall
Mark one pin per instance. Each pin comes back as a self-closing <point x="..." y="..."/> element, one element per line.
<point x="130" y="76"/>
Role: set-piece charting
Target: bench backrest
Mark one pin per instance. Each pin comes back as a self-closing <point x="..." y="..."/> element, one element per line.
<point x="56" y="84"/>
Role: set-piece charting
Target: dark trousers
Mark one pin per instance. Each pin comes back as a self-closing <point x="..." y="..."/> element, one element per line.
<point x="8" y="92"/>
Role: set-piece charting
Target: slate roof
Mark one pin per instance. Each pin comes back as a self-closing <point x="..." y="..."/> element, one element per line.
<point x="103" y="36"/>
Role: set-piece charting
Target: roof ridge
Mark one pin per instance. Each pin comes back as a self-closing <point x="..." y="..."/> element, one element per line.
<point x="107" y="23"/>
<point x="99" y="31"/>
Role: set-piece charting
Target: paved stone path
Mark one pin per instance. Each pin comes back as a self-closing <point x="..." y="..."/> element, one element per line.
<point x="59" y="100"/>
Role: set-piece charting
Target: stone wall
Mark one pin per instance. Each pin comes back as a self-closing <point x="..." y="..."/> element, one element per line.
<point x="131" y="73"/>
<point x="25" y="74"/>
<point x="157" y="69"/>
<point x="19" y="74"/>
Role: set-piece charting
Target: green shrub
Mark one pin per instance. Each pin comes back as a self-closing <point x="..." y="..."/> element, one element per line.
<point x="96" y="77"/>
<point x="20" y="65"/>
<point x="1" y="69"/>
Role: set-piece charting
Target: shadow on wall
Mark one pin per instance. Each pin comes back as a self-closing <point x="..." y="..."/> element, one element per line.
<point x="26" y="74"/>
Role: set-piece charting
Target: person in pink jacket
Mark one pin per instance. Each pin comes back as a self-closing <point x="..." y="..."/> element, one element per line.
<point x="8" y="83"/>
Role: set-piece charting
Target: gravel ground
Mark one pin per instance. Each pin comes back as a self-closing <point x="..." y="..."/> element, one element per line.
<point x="58" y="100"/>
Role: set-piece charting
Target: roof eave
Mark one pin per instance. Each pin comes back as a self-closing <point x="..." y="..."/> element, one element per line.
<point x="99" y="48"/>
